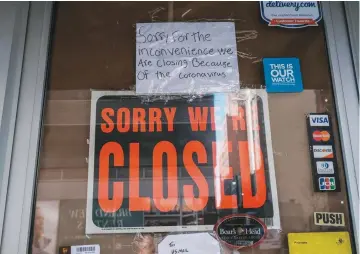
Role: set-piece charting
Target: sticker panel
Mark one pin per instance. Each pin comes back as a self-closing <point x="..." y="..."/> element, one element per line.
<point x="322" y="153"/>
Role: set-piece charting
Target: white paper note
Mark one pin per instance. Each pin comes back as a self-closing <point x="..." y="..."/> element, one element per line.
<point x="180" y="57"/>
<point x="199" y="243"/>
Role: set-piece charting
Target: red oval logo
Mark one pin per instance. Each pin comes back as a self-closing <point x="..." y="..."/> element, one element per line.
<point x="240" y="231"/>
<point x="321" y="136"/>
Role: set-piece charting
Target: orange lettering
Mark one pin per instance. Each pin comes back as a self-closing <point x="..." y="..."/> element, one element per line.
<point x="139" y="119"/>
<point x="170" y="115"/>
<point x="154" y="117"/>
<point x="221" y="173"/>
<point x="110" y="205"/>
<point x="165" y="204"/>
<point x="108" y="126"/>
<point x="123" y="123"/>
<point x="195" y="204"/>
<point x="239" y="119"/>
<point x="198" y="118"/>
<point x="136" y="203"/>
<point x="250" y="201"/>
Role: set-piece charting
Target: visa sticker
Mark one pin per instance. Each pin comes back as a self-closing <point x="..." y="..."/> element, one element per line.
<point x="282" y="75"/>
<point x="319" y="120"/>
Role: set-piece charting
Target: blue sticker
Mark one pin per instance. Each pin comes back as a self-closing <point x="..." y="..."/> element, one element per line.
<point x="282" y="75"/>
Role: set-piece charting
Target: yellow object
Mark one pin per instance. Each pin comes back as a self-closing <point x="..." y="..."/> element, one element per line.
<point x="319" y="243"/>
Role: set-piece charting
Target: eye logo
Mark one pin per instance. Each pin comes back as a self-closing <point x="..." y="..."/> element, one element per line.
<point x="327" y="183"/>
<point x="321" y="136"/>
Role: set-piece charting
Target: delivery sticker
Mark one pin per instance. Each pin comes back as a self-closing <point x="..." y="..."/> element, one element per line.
<point x="321" y="152"/>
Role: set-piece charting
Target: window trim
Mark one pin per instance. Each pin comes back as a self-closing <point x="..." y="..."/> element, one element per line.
<point x="347" y="101"/>
<point x="21" y="182"/>
<point x="352" y="17"/>
<point x="13" y="23"/>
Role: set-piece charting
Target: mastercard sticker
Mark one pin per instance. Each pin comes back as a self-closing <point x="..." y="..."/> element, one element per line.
<point x="321" y="136"/>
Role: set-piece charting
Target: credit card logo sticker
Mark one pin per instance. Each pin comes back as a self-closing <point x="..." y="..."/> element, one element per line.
<point x="327" y="183"/>
<point x="325" y="167"/>
<point x="321" y="136"/>
<point x="319" y="120"/>
<point x="321" y="152"/>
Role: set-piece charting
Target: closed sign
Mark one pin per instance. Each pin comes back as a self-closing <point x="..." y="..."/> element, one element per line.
<point x="329" y="219"/>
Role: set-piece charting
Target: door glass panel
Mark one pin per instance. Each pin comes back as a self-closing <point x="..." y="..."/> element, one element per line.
<point x="93" y="49"/>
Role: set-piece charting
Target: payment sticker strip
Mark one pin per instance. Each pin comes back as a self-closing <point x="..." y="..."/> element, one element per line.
<point x="322" y="153"/>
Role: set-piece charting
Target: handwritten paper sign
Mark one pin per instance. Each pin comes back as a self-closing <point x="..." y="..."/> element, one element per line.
<point x="200" y="243"/>
<point x="180" y="57"/>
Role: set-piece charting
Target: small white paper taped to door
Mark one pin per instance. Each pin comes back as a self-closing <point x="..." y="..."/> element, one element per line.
<point x="198" y="243"/>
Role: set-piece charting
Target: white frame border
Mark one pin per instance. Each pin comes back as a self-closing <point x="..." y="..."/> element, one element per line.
<point x="91" y="228"/>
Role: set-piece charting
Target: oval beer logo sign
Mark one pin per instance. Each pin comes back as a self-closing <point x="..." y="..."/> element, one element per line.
<point x="240" y="231"/>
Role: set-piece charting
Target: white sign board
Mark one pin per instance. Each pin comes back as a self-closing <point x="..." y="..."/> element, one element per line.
<point x="290" y="14"/>
<point x="200" y="243"/>
<point x="108" y="136"/>
<point x="192" y="57"/>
